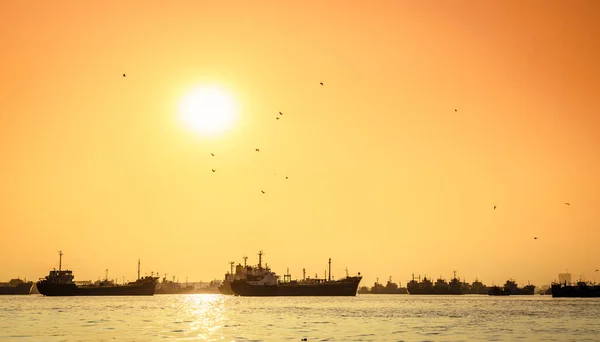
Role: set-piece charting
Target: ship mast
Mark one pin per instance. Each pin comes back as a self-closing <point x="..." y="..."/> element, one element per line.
<point x="260" y="254"/>
<point x="304" y="274"/>
<point x="106" y="277"/>
<point x="138" y="269"/>
<point x="329" y="279"/>
<point x="245" y="258"/>
<point x="60" y="254"/>
<point x="231" y="263"/>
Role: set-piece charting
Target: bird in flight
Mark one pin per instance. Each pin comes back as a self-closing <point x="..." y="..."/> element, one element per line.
<point x="212" y="154"/>
<point x="567" y="203"/>
<point x="277" y="118"/>
<point x="263" y="191"/>
<point x="280" y="113"/>
<point x="321" y="83"/>
<point x="286" y="177"/>
<point x="213" y="170"/>
<point x="494" y="207"/>
<point x="124" y="75"/>
<point x="456" y="110"/>
<point x="535" y="237"/>
<point x="257" y="150"/>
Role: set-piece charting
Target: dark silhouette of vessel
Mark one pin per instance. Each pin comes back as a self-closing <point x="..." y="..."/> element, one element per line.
<point x="16" y="287"/>
<point x="389" y="288"/>
<point x="477" y="287"/>
<point x="441" y="287"/>
<point x="263" y="282"/>
<point x="580" y="289"/>
<point x="60" y="283"/>
<point x="498" y="291"/>
<point x="514" y="290"/>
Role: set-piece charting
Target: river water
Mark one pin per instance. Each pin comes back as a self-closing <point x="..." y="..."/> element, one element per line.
<point x="360" y="318"/>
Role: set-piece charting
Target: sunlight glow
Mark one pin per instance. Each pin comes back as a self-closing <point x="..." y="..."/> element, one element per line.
<point x="208" y="110"/>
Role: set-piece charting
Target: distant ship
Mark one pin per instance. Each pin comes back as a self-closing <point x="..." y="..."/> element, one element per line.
<point x="264" y="282"/>
<point x="580" y="289"/>
<point x="441" y="287"/>
<point x="477" y="287"/>
<point x="498" y="291"/>
<point x="510" y="288"/>
<point x="60" y="283"/>
<point x="173" y="287"/>
<point x="16" y="287"/>
<point x="389" y="288"/>
<point x="514" y="290"/>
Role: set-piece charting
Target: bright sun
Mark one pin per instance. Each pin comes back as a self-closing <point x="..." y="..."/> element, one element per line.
<point x="208" y="110"/>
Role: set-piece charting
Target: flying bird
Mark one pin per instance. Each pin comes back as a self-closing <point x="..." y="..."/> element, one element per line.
<point x="280" y="113"/>
<point x="494" y="207"/>
<point x="263" y="191"/>
<point x="257" y="150"/>
<point x="277" y="118"/>
<point x="212" y="154"/>
<point x="456" y="110"/>
<point x="321" y="83"/>
<point x="213" y="170"/>
<point x="535" y="237"/>
<point x="567" y="203"/>
<point x="286" y="177"/>
<point x="124" y="75"/>
<point x="596" y="271"/>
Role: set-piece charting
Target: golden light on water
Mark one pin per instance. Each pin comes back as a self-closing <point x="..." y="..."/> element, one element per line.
<point x="208" y="311"/>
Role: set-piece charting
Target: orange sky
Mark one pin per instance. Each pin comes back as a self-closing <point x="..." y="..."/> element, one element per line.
<point x="385" y="177"/>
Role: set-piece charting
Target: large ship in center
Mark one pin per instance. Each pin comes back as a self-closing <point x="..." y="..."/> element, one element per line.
<point x="263" y="282"/>
<point x="60" y="283"/>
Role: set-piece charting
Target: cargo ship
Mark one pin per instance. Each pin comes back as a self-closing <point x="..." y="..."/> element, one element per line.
<point x="264" y="282"/>
<point x="498" y="291"/>
<point x="580" y="289"/>
<point x="60" y="283"/>
<point x="441" y="287"/>
<point x="514" y="290"/>
<point x="389" y="288"/>
<point x="16" y="287"/>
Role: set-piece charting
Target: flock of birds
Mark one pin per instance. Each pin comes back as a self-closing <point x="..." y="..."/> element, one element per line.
<point x="257" y="149"/>
<point x="281" y="114"/>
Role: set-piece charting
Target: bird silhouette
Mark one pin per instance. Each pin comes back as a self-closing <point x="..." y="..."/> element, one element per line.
<point x="212" y="154"/>
<point x="124" y="75"/>
<point x="535" y="237"/>
<point x="321" y="83"/>
<point x="567" y="203"/>
<point x="596" y="271"/>
<point x="280" y="113"/>
<point x="287" y="177"/>
<point x="494" y="207"/>
<point x="213" y="170"/>
<point x="257" y="150"/>
<point x="263" y="191"/>
<point x="456" y="110"/>
<point x="277" y="118"/>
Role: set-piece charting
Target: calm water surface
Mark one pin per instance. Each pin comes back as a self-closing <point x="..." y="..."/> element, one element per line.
<point x="360" y="318"/>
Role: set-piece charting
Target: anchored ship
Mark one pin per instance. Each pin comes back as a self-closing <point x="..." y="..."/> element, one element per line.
<point x="16" y="287"/>
<point x="389" y="288"/>
<point x="60" y="283"/>
<point x="264" y="282"/>
<point x="441" y="287"/>
<point x="580" y="289"/>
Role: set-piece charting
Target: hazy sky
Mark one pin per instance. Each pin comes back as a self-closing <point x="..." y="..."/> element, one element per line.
<point x="385" y="177"/>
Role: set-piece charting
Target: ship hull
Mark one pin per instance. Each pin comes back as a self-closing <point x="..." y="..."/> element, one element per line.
<point x="21" y="289"/>
<point x="346" y="287"/>
<point x="51" y="290"/>
<point x="225" y="289"/>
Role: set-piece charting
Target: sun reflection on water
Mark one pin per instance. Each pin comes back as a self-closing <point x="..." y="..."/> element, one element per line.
<point x="207" y="315"/>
